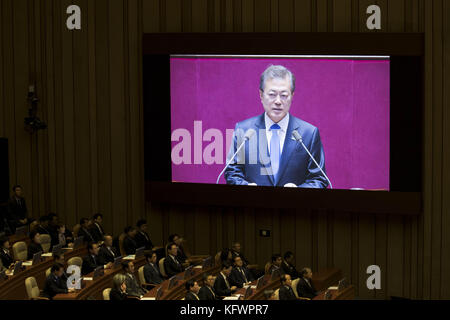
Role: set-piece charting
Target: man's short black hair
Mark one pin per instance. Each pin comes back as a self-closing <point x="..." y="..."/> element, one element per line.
<point x="33" y="233"/>
<point x="275" y="257"/>
<point x="148" y="256"/>
<point x="235" y="257"/>
<point x="283" y="278"/>
<point x="90" y="245"/>
<point x="16" y="186"/>
<point x="172" y="237"/>
<point x="83" y="220"/>
<point x="170" y="245"/>
<point x="141" y="222"/>
<point x="56" y="267"/>
<point x="189" y="284"/>
<point x="98" y="214"/>
<point x="288" y="254"/>
<point x="126" y="264"/>
<point x="226" y="265"/>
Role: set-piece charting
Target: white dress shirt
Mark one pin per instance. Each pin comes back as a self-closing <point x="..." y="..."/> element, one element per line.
<point x="281" y="132"/>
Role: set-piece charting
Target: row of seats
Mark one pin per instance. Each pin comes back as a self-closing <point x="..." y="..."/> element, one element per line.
<point x="20" y="249"/>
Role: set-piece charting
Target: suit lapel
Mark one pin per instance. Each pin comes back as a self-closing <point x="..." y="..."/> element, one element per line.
<point x="288" y="146"/>
<point x="268" y="167"/>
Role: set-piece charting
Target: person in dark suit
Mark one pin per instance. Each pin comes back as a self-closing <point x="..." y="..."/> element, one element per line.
<point x="305" y="287"/>
<point x="240" y="275"/>
<point x="142" y="238"/>
<point x="92" y="261"/>
<point x="84" y="230"/>
<point x="96" y="228"/>
<point x="60" y="258"/>
<point x="17" y="209"/>
<point x="119" y="289"/>
<point x="129" y="242"/>
<point x="276" y="263"/>
<point x="171" y="264"/>
<point x="207" y="291"/>
<point x="236" y="252"/>
<point x="181" y="255"/>
<point x="192" y="290"/>
<point x="222" y="285"/>
<point x="5" y="253"/>
<point x="272" y="157"/>
<point x="286" y="292"/>
<point x="226" y="256"/>
<point x="151" y="270"/>
<point x="107" y="252"/>
<point x="35" y="244"/>
<point x="55" y="284"/>
<point x="288" y="265"/>
<point x="61" y="237"/>
<point x="133" y="287"/>
<point x="43" y="227"/>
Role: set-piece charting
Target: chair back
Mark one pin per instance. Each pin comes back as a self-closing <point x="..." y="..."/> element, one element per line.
<point x="277" y="294"/>
<point x="122" y="251"/>
<point x="32" y="287"/>
<point x="48" y="271"/>
<point x="217" y="258"/>
<point x="78" y="261"/>
<point x="141" y="275"/>
<point x="20" y="250"/>
<point x="76" y="229"/>
<point x="46" y="242"/>
<point x="106" y="293"/>
<point x="294" y="286"/>
<point x="161" y="267"/>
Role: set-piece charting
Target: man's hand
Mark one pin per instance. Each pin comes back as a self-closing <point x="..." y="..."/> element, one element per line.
<point x="290" y="185"/>
<point x="252" y="184"/>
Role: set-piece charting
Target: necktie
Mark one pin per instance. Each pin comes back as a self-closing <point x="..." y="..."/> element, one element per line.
<point x="275" y="149"/>
<point x="226" y="281"/>
<point x="243" y="274"/>
<point x="214" y="295"/>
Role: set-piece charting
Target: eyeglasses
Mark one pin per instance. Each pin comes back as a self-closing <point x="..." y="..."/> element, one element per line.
<point x="272" y="96"/>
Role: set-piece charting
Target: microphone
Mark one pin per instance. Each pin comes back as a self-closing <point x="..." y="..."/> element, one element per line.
<point x="248" y="135"/>
<point x="299" y="138"/>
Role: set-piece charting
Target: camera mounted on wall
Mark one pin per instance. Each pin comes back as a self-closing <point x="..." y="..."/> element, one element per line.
<point x="32" y="122"/>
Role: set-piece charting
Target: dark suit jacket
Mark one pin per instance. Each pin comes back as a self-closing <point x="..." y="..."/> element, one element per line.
<point x="274" y="267"/>
<point x="171" y="267"/>
<point x="290" y="270"/>
<point x="305" y="290"/>
<point x="105" y="256"/>
<point x="34" y="248"/>
<point x="129" y="245"/>
<point x="116" y="295"/>
<point x="190" y="296"/>
<point x="286" y="293"/>
<point x="220" y="286"/>
<point x="7" y="259"/>
<point x="143" y="240"/>
<point x="16" y="211"/>
<point x="87" y="236"/>
<point x="206" y="294"/>
<point x="97" y="232"/>
<point x="181" y="255"/>
<point x="53" y="286"/>
<point x="237" y="278"/>
<point x="234" y="254"/>
<point x="295" y="164"/>
<point x="152" y="274"/>
<point x="42" y="230"/>
<point x="89" y="264"/>
<point x="133" y="287"/>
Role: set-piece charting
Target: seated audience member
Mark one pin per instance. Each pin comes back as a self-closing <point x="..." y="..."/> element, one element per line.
<point x="207" y="291"/>
<point x="270" y="295"/>
<point x="60" y="238"/>
<point x="305" y="287"/>
<point x="96" y="228"/>
<point x="43" y="227"/>
<point x="92" y="261"/>
<point x="17" y="209"/>
<point x="35" y="244"/>
<point x="60" y="259"/>
<point x="5" y="253"/>
<point x="226" y="256"/>
<point x="151" y="270"/>
<point x="142" y="238"/>
<point x="53" y="222"/>
<point x="288" y="265"/>
<point x="286" y="292"/>
<point x="222" y="286"/>
<point x="55" y="282"/>
<point x="133" y="287"/>
<point x="192" y="290"/>
<point x="181" y="255"/>
<point x="129" y="243"/>
<point x="240" y="275"/>
<point x="171" y="263"/>
<point x="119" y="290"/>
<point x="84" y="230"/>
<point x="276" y="263"/>
<point x="236" y="252"/>
<point x="107" y="252"/>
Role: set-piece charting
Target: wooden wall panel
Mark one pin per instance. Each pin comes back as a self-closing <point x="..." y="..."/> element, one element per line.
<point x="91" y="156"/>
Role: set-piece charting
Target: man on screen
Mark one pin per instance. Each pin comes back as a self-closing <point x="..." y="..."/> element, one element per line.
<point x="272" y="156"/>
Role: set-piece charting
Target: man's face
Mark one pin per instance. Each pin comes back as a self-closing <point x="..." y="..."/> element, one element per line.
<point x="278" y="261"/>
<point x="238" y="262"/>
<point x="309" y="274"/>
<point x="99" y="220"/>
<point x="237" y="247"/>
<point x="277" y="98"/>
<point x="54" y="220"/>
<point x="18" y="192"/>
<point x="37" y="238"/>
<point x="108" y="241"/>
<point x="153" y="259"/>
<point x="62" y="229"/>
<point x="6" y="245"/>
<point x="177" y="240"/>
<point x="94" y="250"/>
<point x="290" y="259"/>
<point x="173" y="250"/>
<point x="210" y="281"/>
<point x="59" y="273"/>
<point x="195" y="288"/>
<point x="60" y="260"/>
<point x="288" y="280"/>
<point x="132" y="233"/>
<point x="131" y="267"/>
<point x="227" y="271"/>
<point x="144" y="227"/>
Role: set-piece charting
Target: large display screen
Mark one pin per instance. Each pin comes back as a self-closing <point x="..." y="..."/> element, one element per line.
<point x="294" y="121"/>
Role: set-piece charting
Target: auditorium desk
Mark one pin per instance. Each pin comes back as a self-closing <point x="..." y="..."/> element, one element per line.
<point x="179" y="291"/>
<point x="14" y="287"/>
<point x="346" y="294"/>
<point x="94" y="289"/>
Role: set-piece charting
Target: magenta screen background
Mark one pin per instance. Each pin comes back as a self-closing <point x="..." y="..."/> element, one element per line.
<point x="348" y="100"/>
